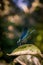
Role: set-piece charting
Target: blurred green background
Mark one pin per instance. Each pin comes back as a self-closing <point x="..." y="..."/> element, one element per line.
<point x="11" y="26"/>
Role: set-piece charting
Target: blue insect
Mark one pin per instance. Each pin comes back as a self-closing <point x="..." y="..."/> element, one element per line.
<point x="26" y="33"/>
<point x="21" y="3"/>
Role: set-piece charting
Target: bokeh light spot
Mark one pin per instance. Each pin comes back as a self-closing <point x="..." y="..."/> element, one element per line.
<point x="39" y="38"/>
<point x="10" y="28"/>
